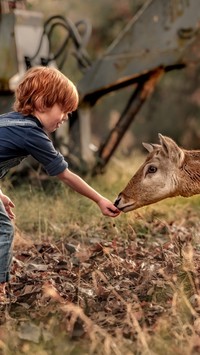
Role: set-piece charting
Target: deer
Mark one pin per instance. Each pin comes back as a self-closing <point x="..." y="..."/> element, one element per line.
<point x="168" y="171"/>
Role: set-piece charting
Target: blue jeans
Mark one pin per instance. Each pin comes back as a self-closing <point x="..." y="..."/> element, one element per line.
<point x="6" y="238"/>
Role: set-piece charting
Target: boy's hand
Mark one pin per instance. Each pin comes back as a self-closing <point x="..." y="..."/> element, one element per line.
<point x="8" y="204"/>
<point x="107" y="208"/>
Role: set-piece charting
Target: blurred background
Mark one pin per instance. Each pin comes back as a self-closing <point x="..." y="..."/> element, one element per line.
<point x="126" y="45"/>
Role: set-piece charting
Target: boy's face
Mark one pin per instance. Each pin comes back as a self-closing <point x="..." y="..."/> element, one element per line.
<point x="52" y="118"/>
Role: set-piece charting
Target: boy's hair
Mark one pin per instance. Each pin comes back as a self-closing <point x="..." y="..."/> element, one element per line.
<point x="41" y="88"/>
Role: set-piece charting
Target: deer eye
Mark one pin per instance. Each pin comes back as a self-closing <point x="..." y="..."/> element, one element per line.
<point x="151" y="169"/>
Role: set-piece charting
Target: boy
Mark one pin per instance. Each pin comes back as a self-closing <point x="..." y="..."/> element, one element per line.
<point x="43" y="100"/>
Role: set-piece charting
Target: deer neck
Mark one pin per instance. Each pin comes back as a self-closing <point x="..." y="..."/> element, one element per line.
<point x="190" y="174"/>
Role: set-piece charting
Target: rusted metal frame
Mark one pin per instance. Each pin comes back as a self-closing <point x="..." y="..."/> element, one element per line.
<point x="144" y="88"/>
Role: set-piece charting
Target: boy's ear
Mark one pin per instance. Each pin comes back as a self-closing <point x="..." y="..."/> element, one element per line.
<point x="39" y="105"/>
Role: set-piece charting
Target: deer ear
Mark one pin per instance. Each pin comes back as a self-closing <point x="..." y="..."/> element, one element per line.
<point x="172" y="150"/>
<point x="165" y="143"/>
<point x="156" y="146"/>
<point x="148" y="147"/>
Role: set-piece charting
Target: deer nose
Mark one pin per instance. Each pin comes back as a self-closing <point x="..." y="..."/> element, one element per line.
<point x="117" y="201"/>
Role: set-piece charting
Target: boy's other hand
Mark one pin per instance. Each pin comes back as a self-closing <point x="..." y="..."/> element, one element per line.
<point x="8" y="204"/>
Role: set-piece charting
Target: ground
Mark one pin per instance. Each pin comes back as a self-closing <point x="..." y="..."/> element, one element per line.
<point x="122" y="289"/>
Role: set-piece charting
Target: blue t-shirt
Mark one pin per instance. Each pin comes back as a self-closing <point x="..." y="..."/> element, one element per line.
<point x="22" y="140"/>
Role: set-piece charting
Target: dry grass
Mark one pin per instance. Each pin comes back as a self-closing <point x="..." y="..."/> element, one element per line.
<point x="86" y="284"/>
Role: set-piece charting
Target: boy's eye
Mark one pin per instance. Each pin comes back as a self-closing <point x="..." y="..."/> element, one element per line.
<point x="151" y="169"/>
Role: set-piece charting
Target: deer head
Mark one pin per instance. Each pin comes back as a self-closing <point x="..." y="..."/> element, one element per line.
<point x="156" y="179"/>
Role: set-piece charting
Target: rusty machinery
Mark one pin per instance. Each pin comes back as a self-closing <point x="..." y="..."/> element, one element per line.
<point x="162" y="36"/>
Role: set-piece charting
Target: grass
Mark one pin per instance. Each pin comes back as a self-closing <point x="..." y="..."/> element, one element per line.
<point x="140" y="293"/>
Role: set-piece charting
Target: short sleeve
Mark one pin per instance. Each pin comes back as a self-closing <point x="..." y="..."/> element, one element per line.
<point x="41" y="148"/>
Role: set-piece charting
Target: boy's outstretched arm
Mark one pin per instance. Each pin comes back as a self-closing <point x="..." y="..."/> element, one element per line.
<point x="79" y="185"/>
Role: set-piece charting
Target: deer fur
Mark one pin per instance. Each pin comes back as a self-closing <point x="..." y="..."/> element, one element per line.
<point x="168" y="171"/>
